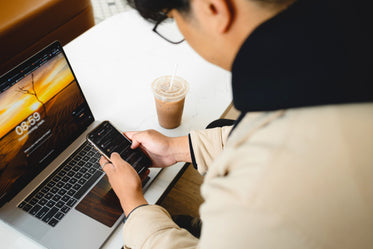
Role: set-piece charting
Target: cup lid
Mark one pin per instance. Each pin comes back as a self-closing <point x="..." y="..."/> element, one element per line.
<point x="164" y="91"/>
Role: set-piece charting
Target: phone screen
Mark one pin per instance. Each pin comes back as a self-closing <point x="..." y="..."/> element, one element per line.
<point x="107" y="139"/>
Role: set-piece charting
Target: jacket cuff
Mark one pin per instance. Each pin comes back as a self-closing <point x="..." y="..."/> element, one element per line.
<point x="151" y="226"/>
<point x="194" y="162"/>
<point x="126" y="218"/>
<point x="207" y="145"/>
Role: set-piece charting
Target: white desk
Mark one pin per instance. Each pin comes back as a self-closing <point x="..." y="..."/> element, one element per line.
<point x="115" y="63"/>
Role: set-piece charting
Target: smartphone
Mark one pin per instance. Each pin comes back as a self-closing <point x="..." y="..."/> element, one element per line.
<point x="107" y="139"/>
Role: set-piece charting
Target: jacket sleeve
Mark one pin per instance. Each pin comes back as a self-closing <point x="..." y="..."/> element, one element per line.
<point x="206" y="145"/>
<point x="151" y="226"/>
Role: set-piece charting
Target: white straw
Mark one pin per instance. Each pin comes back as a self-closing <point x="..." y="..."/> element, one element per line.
<point x="173" y="76"/>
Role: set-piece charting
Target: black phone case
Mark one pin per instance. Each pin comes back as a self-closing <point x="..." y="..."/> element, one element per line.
<point x="107" y="139"/>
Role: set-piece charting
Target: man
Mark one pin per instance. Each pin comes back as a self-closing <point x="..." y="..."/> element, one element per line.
<point x="295" y="171"/>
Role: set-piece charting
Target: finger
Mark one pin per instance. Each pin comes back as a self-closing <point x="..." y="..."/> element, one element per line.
<point x="103" y="160"/>
<point x="117" y="159"/>
<point x="138" y="138"/>
<point x="135" y="144"/>
<point x="108" y="168"/>
<point x="144" y="174"/>
<point x="130" y="134"/>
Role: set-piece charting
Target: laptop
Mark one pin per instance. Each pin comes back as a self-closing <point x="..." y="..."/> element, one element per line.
<point x="51" y="186"/>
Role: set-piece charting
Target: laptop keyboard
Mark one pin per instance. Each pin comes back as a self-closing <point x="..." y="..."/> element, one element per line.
<point x="56" y="196"/>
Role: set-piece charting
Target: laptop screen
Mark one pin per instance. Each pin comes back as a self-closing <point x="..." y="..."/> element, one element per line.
<point x="42" y="111"/>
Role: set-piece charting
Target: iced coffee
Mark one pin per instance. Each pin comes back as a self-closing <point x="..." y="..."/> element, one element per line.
<point x="169" y="94"/>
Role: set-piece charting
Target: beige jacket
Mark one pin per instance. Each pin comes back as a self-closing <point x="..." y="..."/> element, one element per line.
<point x="300" y="178"/>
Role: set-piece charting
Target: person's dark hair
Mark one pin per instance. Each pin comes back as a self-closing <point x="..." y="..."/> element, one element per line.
<point x="154" y="10"/>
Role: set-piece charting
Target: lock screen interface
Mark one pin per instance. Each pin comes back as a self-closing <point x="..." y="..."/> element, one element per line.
<point x="42" y="110"/>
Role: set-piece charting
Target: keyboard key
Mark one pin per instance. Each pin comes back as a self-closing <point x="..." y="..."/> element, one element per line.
<point x="27" y="207"/>
<point x="65" y="179"/>
<point x="39" y="195"/>
<point x="28" y="198"/>
<point x="67" y="168"/>
<point x="59" y="184"/>
<point x="53" y="222"/>
<point x="50" y="214"/>
<point x="51" y="184"/>
<point x="22" y="204"/>
<point x="77" y="186"/>
<point x="62" y="191"/>
<point x="42" y="202"/>
<point x="62" y="173"/>
<point x="82" y="181"/>
<point x="72" y="163"/>
<point x="71" y="173"/>
<point x="65" y="209"/>
<point x="97" y="155"/>
<point x="51" y="203"/>
<point x="56" y="178"/>
<point x="87" y="175"/>
<point x="33" y="201"/>
<point x="67" y="186"/>
<point x="71" y="192"/>
<point x="83" y="170"/>
<point x="87" y="148"/>
<point x="59" y="215"/>
<point x="65" y="198"/>
<point x="54" y="190"/>
<point x="35" y="209"/>
<point x="48" y="196"/>
<point x="73" y="180"/>
<point x="82" y="153"/>
<point x="78" y="175"/>
<point x="91" y="153"/>
<point x="42" y="212"/>
<point x="60" y="204"/>
<point x="56" y="197"/>
<point x="71" y="202"/>
<point x="45" y="190"/>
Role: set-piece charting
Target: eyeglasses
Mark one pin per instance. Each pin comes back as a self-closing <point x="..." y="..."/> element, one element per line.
<point x="168" y="30"/>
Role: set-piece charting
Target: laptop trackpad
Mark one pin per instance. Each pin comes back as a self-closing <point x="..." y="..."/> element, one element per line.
<point x="101" y="204"/>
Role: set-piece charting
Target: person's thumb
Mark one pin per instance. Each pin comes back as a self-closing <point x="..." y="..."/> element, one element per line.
<point x="116" y="159"/>
<point x="132" y="137"/>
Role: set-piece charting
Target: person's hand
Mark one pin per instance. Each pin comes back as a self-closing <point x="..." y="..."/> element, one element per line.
<point x="163" y="151"/>
<point x="125" y="182"/>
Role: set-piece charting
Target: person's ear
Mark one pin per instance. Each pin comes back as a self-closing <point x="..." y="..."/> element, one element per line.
<point x="220" y="12"/>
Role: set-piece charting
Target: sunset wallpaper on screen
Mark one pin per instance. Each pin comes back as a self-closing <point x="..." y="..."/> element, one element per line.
<point x="25" y="97"/>
<point x="37" y="119"/>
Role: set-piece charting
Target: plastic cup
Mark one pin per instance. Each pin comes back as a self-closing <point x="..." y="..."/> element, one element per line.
<point x="169" y="100"/>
